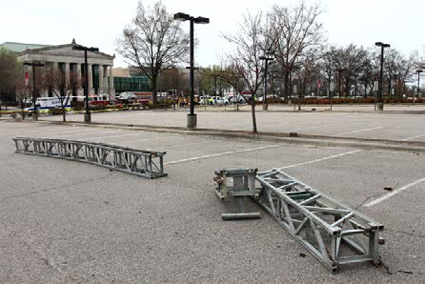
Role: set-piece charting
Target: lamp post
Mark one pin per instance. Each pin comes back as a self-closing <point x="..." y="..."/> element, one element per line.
<point x="266" y="59"/>
<point x="381" y="75"/>
<point x="191" y="117"/>
<point x="87" y="115"/>
<point x="419" y="71"/>
<point x="34" y="86"/>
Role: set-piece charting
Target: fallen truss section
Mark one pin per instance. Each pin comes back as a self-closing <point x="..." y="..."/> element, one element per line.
<point x="334" y="233"/>
<point x="147" y="164"/>
<point x="239" y="184"/>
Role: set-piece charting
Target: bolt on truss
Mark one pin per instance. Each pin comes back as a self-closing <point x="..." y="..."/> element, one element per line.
<point x="148" y="164"/>
<point x="334" y="233"/>
<point x="237" y="183"/>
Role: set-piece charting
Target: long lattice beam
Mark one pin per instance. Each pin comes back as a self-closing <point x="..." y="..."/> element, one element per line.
<point x="334" y="233"/>
<point x="147" y="164"/>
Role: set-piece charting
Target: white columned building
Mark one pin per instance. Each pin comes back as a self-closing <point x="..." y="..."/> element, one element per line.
<point x="70" y="62"/>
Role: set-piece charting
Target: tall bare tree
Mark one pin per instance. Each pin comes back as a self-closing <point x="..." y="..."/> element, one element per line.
<point x="230" y="75"/>
<point x="244" y="62"/>
<point x="292" y="32"/>
<point x="23" y="93"/>
<point x="154" y="42"/>
<point x="9" y="74"/>
<point x="398" y="69"/>
<point x="328" y="65"/>
<point x="62" y="87"/>
<point x="212" y="82"/>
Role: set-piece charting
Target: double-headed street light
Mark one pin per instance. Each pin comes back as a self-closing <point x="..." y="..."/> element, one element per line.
<point x="191" y="117"/>
<point x="266" y="59"/>
<point x="87" y="115"/>
<point x="419" y="71"/>
<point x="34" y="87"/>
<point x="381" y="75"/>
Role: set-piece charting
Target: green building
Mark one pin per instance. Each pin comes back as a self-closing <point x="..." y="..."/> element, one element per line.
<point x="131" y="84"/>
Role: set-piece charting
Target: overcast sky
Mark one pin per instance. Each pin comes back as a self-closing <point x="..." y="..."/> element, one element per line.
<point x="99" y="23"/>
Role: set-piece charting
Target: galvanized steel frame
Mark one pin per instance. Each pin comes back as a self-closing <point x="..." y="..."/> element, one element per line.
<point x="334" y="233"/>
<point x="243" y="182"/>
<point x="237" y="183"/>
<point x="148" y="164"/>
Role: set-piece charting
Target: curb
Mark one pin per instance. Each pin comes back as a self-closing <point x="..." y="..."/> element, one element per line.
<point x="291" y="138"/>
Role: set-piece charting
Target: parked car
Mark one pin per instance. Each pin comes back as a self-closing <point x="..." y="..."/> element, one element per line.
<point x="127" y="96"/>
<point x="217" y="100"/>
<point x="203" y="100"/>
<point x="237" y="99"/>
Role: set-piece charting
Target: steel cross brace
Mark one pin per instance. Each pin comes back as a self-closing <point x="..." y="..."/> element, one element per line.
<point x="334" y="233"/>
<point x="148" y="164"/>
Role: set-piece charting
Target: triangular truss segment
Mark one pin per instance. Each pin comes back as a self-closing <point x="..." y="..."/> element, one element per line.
<point x="334" y="233"/>
<point x="148" y="164"/>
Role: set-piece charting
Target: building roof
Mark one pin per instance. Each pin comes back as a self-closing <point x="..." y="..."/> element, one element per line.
<point x="51" y="49"/>
<point x="29" y="48"/>
<point x="20" y="47"/>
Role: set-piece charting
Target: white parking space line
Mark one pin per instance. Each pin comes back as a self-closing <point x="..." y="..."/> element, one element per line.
<point x="310" y="127"/>
<point x="413" y="137"/>
<point x="360" y="130"/>
<point x="222" y="154"/>
<point x="111" y="136"/>
<point x="148" y="139"/>
<point x="321" y="159"/>
<point x="226" y="124"/>
<point x="397" y="191"/>
<point x="273" y="125"/>
<point x="44" y="130"/>
<point x="77" y="135"/>
<point x="73" y="133"/>
<point x="187" y="144"/>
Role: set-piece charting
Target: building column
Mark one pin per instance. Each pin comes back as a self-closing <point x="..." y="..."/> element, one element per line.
<point x="67" y="76"/>
<point x="80" y="80"/>
<point x="105" y="76"/>
<point x="111" y="81"/>
<point x="90" y="73"/>
<point x="101" y="89"/>
<point x="55" y="70"/>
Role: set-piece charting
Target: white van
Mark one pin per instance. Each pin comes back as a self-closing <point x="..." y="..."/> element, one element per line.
<point x="43" y="104"/>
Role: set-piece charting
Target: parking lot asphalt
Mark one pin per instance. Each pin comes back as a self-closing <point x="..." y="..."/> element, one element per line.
<point x="387" y="125"/>
<point x="64" y="221"/>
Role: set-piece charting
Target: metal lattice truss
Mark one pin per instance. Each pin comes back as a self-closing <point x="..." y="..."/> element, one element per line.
<point x="237" y="183"/>
<point x="147" y="164"/>
<point x="334" y="233"/>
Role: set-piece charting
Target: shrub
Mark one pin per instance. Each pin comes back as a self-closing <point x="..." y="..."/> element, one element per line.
<point x="55" y="111"/>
